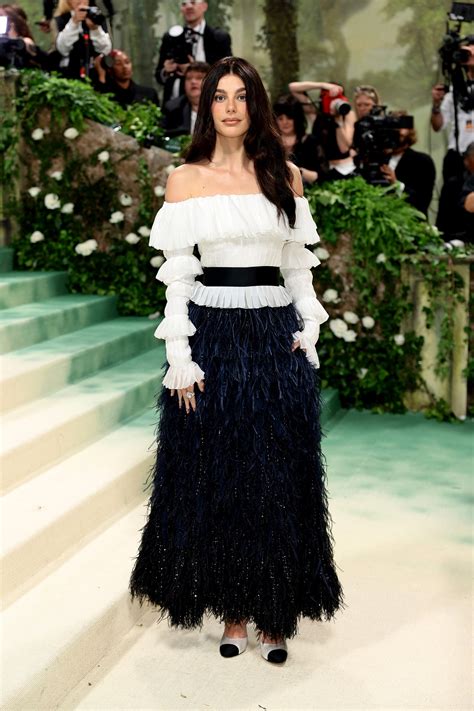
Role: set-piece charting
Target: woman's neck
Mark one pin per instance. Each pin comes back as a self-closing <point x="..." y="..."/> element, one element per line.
<point x="229" y="154"/>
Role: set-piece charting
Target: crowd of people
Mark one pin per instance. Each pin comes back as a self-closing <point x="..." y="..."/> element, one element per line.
<point x="323" y="138"/>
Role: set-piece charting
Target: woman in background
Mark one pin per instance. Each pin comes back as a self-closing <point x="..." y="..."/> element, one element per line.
<point x="300" y="147"/>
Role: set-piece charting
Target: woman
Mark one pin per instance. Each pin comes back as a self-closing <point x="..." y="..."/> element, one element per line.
<point x="299" y="147"/>
<point x="332" y="132"/>
<point x="365" y="99"/>
<point x="238" y="523"/>
<point x="79" y="40"/>
<point x="26" y="55"/>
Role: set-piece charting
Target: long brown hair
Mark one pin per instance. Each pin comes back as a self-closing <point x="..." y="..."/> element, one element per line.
<point x="262" y="143"/>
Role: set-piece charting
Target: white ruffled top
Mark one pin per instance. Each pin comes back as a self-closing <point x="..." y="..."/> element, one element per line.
<point x="232" y="231"/>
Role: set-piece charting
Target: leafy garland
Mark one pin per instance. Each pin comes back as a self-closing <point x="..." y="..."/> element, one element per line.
<point x="367" y="354"/>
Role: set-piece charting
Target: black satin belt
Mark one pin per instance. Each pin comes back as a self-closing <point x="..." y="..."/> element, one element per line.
<point x="241" y="276"/>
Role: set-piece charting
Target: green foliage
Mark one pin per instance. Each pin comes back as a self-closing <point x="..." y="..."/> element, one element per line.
<point x="143" y="122"/>
<point x="382" y="363"/>
<point x="73" y="99"/>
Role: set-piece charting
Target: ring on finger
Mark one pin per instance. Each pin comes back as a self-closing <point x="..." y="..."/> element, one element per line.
<point x="190" y="395"/>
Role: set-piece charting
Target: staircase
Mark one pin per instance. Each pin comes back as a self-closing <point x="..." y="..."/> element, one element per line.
<point x="78" y="386"/>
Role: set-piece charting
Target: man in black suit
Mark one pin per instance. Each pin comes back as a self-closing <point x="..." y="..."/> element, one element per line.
<point x="117" y="80"/>
<point x="179" y="114"/>
<point x="205" y="44"/>
<point x="414" y="171"/>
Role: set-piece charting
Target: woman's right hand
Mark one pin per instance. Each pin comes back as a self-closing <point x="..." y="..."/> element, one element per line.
<point x="183" y="397"/>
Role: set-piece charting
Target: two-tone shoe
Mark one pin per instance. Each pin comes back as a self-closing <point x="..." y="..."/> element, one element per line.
<point x="274" y="653"/>
<point x="232" y="646"/>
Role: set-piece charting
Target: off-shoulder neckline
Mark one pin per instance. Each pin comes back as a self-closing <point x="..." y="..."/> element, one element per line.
<point x="231" y="195"/>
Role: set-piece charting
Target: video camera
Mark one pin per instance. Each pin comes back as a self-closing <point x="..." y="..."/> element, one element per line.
<point x="12" y="51"/>
<point x="376" y="136"/>
<point x="182" y="42"/>
<point x="455" y="53"/>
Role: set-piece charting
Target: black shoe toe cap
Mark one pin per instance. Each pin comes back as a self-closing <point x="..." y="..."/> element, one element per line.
<point x="229" y="650"/>
<point x="277" y="656"/>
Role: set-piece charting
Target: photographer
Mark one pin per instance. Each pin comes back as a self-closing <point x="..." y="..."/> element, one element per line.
<point x="82" y="35"/>
<point x="414" y="171"/>
<point x="333" y="128"/>
<point x="195" y="42"/>
<point x="180" y="113"/>
<point x="17" y="46"/>
<point x="366" y="97"/>
<point x="114" y="76"/>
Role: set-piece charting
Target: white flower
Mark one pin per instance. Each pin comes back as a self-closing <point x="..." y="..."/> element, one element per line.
<point x="169" y="169"/>
<point x="159" y="190"/>
<point x="144" y="231"/>
<point x="157" y="261"/>
<point x="37" y="236"/>
<point x="34" y="192"/>
<point x="86" y="248"/>
<point x="448" y="245"/>
<point x="132" y="238"/>
<point x="362" y="373"/>
<point x="67" y="208"/>
<point x="457" y="243"/>
<point x="331" y="296"/>
<point x="350" y="317"/>
<point x="116" y="217"/>
<point x="71" y="133"/>
<point x="349" y="336"/>
<point x="368" y="322"/>
<point x="37" y="134"/>
<point x="321" y="253"/>
<point x="125" y="200"/>
<point x="57" y="174"/>
<point x="338" y="327"/>
<point x="381" y="258"/>
<point x="399" y="339"/>
<point x="103" y="156"/>
<point x="51" y="201"/>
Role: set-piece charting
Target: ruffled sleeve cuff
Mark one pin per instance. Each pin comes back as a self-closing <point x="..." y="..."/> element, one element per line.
<point x="308" y="347"/>
<point x="295" y="256"/>
<point x="173" y="326"/>
<point x="305" y="228"/>
<point x="178" y="377"/>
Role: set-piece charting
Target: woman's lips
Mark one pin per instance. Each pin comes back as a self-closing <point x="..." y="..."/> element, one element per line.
<point x="231" y="121"/>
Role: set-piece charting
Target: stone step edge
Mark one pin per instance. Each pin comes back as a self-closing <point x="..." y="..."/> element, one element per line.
<point x="40" y="376"/>
<point x="85" y="505"/>
<point x="56" y="633"/>
<point x="91" y="417"/>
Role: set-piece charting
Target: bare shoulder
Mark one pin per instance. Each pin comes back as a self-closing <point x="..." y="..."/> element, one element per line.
<point x="296" y="180"/>
<point x="181" y="183"/>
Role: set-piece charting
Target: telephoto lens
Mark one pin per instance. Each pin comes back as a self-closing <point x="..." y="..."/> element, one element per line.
<point x="95" y="15"/>
<point x="341" y="107"/>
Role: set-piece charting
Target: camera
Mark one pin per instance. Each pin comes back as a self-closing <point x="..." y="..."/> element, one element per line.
<point x="182" y="42"/>
<point x="94" y="15"/>
<point x="12" y="51"/>
<point x="376" y="136"/>
<point x="334" y="104"/>
<point x="456" y="51"/>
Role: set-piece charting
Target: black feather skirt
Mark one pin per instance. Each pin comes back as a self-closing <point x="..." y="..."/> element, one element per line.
<point x="238" y="523"/>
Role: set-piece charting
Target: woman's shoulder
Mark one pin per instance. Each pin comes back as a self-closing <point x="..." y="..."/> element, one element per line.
<point x="296" y="180"/>
<point x="182" y="183"/>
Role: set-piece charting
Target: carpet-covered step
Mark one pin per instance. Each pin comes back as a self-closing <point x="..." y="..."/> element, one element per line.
<point x="48" y="516"/>
<point x="26" y="324"/>
<point x="38" y="370"/>
<point x="54" y="634"/>
<point x="27" y="287"/>
<point x="45" y="431"/>
<point x="6" y="259"/>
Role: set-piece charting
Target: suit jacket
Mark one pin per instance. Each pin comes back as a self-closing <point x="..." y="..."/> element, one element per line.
<point x="217" y="44"/>
<point x="417" y="171"/>
<point x="177" y="116"/>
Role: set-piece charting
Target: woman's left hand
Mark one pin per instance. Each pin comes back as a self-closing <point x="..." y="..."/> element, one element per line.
<point x="297" y="344"/>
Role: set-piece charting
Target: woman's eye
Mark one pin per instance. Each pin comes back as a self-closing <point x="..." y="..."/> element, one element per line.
<point x="242" y="97"/>
<point x="219" y="97"/>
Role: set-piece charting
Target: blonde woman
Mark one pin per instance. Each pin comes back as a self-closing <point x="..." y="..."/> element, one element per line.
<point x="79" y="40"/>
